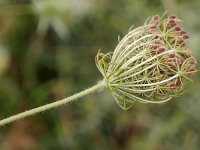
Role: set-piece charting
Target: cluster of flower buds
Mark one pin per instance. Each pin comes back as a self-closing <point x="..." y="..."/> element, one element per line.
<point x="151" y="64"/>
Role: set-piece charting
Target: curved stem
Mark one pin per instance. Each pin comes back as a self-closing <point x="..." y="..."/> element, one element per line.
<point x="74" y="97"/>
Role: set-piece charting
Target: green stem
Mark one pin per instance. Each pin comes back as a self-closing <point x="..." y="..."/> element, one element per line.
<point x="74" y="97"/>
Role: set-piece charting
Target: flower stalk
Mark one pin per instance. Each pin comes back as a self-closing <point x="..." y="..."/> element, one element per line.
<point x="99" y="85"/>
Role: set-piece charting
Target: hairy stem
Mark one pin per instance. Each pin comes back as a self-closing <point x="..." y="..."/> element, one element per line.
<point x="74" y="97"/>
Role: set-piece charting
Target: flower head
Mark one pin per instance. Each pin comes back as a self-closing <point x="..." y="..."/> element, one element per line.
<point x="56" y="13"/>
<point x="151" y="64"/>
<point x="50" y="14"/>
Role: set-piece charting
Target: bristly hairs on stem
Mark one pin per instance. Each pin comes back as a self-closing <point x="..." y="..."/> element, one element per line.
<point x="99" y="85"/>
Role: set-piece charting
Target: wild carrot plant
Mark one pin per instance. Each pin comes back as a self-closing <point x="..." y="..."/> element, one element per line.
<point x="151" y="64"/>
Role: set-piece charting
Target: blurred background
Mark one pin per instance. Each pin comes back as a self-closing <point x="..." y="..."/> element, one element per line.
<point x="47" y="51"/>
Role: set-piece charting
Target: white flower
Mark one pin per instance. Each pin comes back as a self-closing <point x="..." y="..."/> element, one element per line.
<point x="53" y="13"/>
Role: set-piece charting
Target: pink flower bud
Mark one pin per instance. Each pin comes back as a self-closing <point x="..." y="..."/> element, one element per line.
<point x="177" y="29"/>
<point x="155" y="17"/>
<point x="186" y="36"/>
<point x="172" y="17"/>
<point x="172" y="21"/>
<point x="183" y="32"/>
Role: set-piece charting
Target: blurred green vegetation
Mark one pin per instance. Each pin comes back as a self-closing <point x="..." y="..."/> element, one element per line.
<point x="49" y="55"/>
